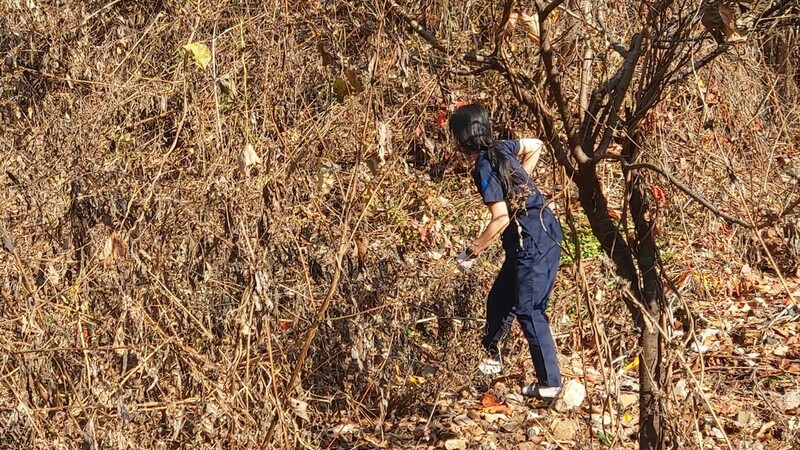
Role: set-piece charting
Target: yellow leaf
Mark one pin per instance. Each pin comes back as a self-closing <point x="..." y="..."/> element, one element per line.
<point x="200" y="52"/>
<point x="632" y="365"/>
<point x="327" y="176"/>
<point x="627" y="417"/>
<point x="413" y="379"/>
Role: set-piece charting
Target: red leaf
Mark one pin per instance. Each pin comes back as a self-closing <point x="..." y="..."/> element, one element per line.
<point x="490" y="399"/>
<point x="498" y="409"/>
<point x="441" y="118"/>
<point x="658" y="194"/>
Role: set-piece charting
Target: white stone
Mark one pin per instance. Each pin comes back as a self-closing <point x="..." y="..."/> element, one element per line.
<point x="572" y="396"/>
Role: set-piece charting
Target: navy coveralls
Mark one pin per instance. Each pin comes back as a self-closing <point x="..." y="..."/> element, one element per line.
<point x="522" y="288"/>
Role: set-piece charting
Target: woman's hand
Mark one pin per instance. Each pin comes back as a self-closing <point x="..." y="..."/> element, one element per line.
<point x="465" y="261"/>
<point x="499" y="222"/>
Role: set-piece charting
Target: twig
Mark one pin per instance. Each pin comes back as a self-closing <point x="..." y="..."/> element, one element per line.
<point x="600" y="27"/>
<point x="417" y="27"/>
<point x="700" y="63"/>
<point x="684" y="188"/>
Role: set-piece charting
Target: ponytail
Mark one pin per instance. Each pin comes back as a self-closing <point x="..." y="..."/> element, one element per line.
<point x="516" y="186"/>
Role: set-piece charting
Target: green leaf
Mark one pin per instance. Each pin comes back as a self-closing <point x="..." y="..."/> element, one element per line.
<point x="200" y="52"/>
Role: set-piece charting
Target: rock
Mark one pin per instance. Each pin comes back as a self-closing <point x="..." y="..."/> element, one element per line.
<point x="789" y="401"/>
<point x="533" y="432"/>
<point x="572" y="396"/>
<point x="509" y="427"/>
<point x="564" y="429"/>
<point x="626" y="400"/>
<point x="455" y="444"/>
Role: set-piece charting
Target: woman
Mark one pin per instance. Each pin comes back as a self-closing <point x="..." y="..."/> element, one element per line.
<point x="531" y="239"/>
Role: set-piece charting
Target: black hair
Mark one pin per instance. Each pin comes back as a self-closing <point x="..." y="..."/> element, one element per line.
<point x="472" y="130"/>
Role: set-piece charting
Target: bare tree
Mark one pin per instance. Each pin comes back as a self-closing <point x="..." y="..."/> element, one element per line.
<point x="664" y="48"/>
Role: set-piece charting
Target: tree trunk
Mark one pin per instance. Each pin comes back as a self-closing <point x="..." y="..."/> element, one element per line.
<point x="595" y="206"/>
<point x="651" y="433"/>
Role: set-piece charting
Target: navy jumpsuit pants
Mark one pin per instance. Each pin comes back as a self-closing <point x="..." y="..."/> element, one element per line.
<point x="522" y="292"/>
<point x="522" y="288"/>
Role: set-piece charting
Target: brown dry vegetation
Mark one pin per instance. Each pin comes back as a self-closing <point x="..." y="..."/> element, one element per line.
<point x="158" y="293"/>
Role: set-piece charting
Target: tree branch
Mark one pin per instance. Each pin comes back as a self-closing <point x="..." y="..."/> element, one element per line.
<point x="417" y="27"/>
<point x="620" y="91"/>
<point x="554" y="83"/>
<point x="683" y="188"/>
<point x="700" y="63"/>
<point x="501" y="29"/>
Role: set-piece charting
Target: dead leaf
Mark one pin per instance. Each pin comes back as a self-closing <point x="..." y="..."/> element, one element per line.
<point x="497" y="409"/>
<point x="441" y="118"/>
<point x="729" y="27"/>
<point x="658" y="194"/>
<point x="464" y="421"/>
<point x="123" y="411"/>
<point x="8" y="243"/>
<point x="455" y="444"/>
<point x="564" y="430"/>
<point x="345" y="428"/>
<point x="299" y="408"/>
<point x="764" y="428"/>
<point x="113" y="249"/>
<point x="626" y="400"/>
<point x="415" y="380"/>
<point x="492" y="418"/>
<point x="632" y="365"/>
<point x="248" y="158"/>
<point x="327" y="177"/>
<point x="384" y="142"/>
<point x="361" y="249"/>
<point x="531" y="26"/>
<point x="780" y="350"/>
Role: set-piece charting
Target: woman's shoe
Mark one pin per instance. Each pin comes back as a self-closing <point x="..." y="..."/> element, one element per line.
<point x="491" y="366"/>
<point x="541" y="392"/>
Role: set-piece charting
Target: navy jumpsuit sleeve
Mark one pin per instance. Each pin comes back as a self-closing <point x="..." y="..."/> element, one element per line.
<point x="488" y="183"/>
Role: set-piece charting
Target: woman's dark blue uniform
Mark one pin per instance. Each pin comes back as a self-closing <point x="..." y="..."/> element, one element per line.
<point x="522" y="288"/>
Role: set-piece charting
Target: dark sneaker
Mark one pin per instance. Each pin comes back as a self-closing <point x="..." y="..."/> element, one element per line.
<point x="541" y="392"/>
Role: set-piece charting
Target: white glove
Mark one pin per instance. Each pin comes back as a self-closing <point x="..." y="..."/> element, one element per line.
<point x="464" y="263"/>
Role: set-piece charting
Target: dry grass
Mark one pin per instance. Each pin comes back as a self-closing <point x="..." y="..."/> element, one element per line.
<point x="156" y="295"/>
